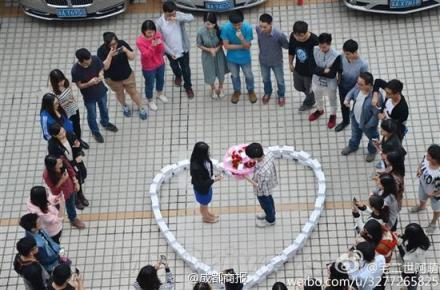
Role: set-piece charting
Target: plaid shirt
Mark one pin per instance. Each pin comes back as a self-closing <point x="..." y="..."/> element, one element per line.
<point x="265" y="175"/>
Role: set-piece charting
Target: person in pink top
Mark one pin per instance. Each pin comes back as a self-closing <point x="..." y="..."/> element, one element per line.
<point x="152" y="49"/>
<point x="51" y="218"/>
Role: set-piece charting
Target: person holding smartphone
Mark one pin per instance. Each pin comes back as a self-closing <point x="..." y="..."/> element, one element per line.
<point x="115" y="54"/>
<point x="152" y="49"/>
<point x="60" y="177"/>
<point x="63" y="279"/>
<point x="148" y="279"/>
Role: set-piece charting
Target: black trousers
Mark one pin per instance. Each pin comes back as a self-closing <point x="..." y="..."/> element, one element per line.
<point x="181" y="68"/>
<point x="345" y="111"/>
<point x="76" y="124"/>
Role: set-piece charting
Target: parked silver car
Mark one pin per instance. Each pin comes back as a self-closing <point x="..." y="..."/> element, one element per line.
<point x="73" y="9"/>
<point x="392" y="6"/>
<point x="216" y="5"/>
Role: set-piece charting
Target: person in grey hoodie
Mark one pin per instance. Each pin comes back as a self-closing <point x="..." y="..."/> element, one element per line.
<point x="327" y="64"/>
<point x="172" y="27"/>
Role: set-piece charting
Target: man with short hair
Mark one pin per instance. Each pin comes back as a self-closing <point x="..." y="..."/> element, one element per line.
<point x="271" y="42"/>
<point x="364" y="115"/>
<point x="327" y="64"/>
<point x="237" y="37"/>
<point x="264" y="181"/>
<point x="395" y="106"/>
<point x="27" y="265"/>
<point x="115" y="54"/>
<point x="352" y="66"/>
<point x="87" y="74"/>
<point x="48" y="250"/>
<point x="301" y="45"/>
<point x="63" y="279"/>
<point x="172" y="27"/>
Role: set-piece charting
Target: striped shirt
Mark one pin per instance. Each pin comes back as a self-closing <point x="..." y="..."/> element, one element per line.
<point x="68" y="102"/>
<point x="265" y="176"/>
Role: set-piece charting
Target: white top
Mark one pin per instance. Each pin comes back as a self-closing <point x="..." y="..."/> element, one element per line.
<point x="172" y="35"/>
<point x="369" y="274"/>
<point x="389" y="106"/>
<point x="357" y="108"/>
<point x="68" y="102"/>
<point x="430" y="178"/>
<point x="69" y="153"/>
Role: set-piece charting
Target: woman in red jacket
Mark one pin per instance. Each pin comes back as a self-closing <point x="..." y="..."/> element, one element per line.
<point x="60" y="177"/>
<point x="152" y="49"/>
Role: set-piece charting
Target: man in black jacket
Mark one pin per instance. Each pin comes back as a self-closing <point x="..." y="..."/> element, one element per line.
<point x="395" y="106"/>
<point x="27" y="266"/>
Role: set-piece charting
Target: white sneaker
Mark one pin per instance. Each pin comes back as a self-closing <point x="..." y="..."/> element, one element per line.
<point x="152" y="106"/>
<point x="221" y="95"/>
<point x="264" y="223"/>
<point x="162" y="98"/>
<point x="214" y="95"/>
<point x="431" y="228"/>
<point x="260" y="216"/>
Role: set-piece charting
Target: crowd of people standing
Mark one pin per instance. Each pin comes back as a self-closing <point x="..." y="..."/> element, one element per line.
<point x="319" y="71"/>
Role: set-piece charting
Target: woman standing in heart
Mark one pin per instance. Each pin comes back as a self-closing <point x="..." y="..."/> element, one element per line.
<point x="201" y="170"/>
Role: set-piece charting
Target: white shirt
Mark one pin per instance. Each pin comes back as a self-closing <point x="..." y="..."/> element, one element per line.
<point x="357" y="108"/>
<point x="369" y="274"/>
<point x="389" y="106"/>
<point x="69" y="153"/>
<point x="172" y="35"/>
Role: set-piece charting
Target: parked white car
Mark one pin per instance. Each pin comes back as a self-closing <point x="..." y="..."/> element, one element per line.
<point x="73" y="9"/>
<point x="392" y="6"/>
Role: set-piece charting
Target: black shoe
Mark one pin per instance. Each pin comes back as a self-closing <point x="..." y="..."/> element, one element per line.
<point x="341" y="126"/>
<point x="84" y="144"/>
<point x="79" y="205"/>
<point x="110" y="127"/>
<point x="98" y="137"/>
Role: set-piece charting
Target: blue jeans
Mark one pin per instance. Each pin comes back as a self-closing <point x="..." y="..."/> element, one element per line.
<point x="279" y="76"/>
<point x="91" y="113"/>
<point x="356" y="136"/>
<point x="234" y="68"/>
<point x="70" y="207"/>
<point x="268" y="205"/>
<point x="151" y="75"/>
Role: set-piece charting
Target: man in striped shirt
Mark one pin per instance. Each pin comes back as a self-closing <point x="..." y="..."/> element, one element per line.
<point x="264" y="181"/>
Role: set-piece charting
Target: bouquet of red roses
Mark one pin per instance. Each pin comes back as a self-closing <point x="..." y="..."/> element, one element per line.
<point x="238" y="163"/>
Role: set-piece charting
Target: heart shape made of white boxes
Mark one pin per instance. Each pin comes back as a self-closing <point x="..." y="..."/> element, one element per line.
<point x="279" y="152"/>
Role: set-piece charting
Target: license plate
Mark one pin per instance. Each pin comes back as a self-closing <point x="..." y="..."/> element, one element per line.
<point x="396" y="4"/>
<point x="224" y="5"/>
<point x="71" y="12"/>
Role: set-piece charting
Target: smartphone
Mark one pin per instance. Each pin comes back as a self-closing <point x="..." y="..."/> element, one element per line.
<point x="119" y="49"/>
<point x="354" y="199"/>
<point x="163" y="259"/>
<point x="77" y="271"/>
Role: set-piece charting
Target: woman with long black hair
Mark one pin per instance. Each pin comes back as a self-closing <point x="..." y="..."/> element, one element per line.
<point x="387" y="189"/>
<point x="61" y="179"/>
<point x="147" y="278"/>
<point x="66" y="144"/>
<point x="50" y="113"/>
<point x="63" y="91"/>
<point x="202" y="172"/>
<point x="412" y="248"/>
<point x="213" y="57"/>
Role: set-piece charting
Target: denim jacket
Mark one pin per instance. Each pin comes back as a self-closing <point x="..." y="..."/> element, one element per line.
<point x="369" y="114"/>
<point x="48" y="250"/>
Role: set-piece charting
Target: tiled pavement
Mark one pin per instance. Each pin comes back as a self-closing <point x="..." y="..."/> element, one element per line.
<point x="121" y="235"/>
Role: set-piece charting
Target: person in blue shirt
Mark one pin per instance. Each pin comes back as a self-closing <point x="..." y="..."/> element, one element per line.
<point x="51" y="113"/>
<point x="237" y="36"/>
